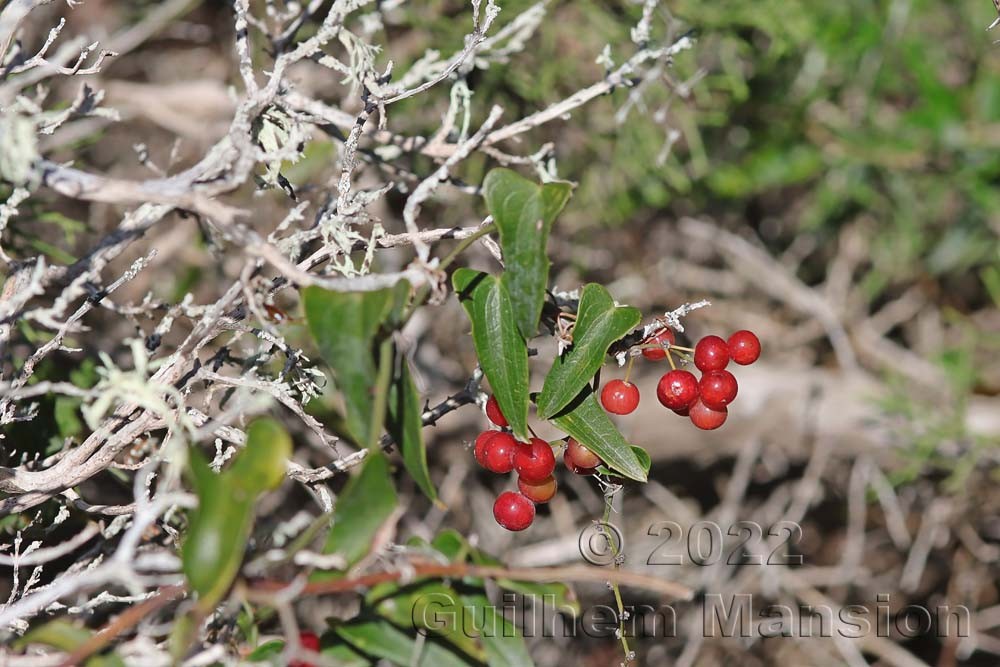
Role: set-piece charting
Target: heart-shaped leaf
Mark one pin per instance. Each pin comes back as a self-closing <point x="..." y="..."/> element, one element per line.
<point x="588" y="423"/>
<point x="524" y="212"/>
<point x="406" y="425"/>
<point x="344" y="325"/>
<point x="502" y="352"/>
<point x="599" y="323"/>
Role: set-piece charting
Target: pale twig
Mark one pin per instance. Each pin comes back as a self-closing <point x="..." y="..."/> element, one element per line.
<point x="412" y="208"/>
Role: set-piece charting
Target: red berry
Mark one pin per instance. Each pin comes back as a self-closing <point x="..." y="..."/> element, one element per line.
<point x="577" y="470"/>
<point x="482" y="445"/>
<point x="494" y="413"/>
<point x="534" y="461"/>
<point x="717" y="389"/>
<point x="620" y="397"/>
<point x="677" y="389"/>
<point x="538" y="492"/>
<point x="309" y="641"/>
<point x="513" y="511"/>
<point x="683" y="412"/>
<point x="500" y="453"/>
<point x="657" y="354"/>
<point x="706" y="418"/>
<point x="579" y="457"/>
<point x="711" y="354"/>
<point x="744" y="347"/>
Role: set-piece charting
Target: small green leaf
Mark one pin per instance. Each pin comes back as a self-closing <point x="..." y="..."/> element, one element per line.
<point x="590" y="425"/>
<point x="524" y="212"/>
<point x="344" y="326"/>
<point x="502" y="352"/>
<point x="383" y="640"/>
<point x="217" y="533"/>
<point x="266" y="651"/>
<point x="340" y="654"/>
<point x="599" y="323"/>
<point x="434" y="607"/>
<point x="406" y="426"/>
<point x="66" y="413"/>
<point x="362" y="508"/>
<point x="60" y="634"/>
<point x="504" y="645"/>
<point x="260" y="466"/>
<point x="452" y="545"/>
<point x="65" y="636"/>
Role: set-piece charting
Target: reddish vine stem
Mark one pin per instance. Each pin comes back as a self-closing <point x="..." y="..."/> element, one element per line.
<point x="539" y="574"/>
<point x="125" y="621"/>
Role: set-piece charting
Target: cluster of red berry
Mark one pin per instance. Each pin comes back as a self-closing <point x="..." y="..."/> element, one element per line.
<point x="534" y="462"/>
<point x="703" y="400"/>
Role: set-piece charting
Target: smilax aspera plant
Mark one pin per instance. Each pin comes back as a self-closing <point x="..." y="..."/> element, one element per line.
<point x="212" y="428"/>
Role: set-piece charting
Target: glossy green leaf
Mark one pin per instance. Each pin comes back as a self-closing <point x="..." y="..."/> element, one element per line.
<point x="66" y="412"/>
<point x="340" y="654"/>
<point x="367" y="500"/>
<point x="384" y="640"/>
<point x="599" y="323"/>
<point x="401" y="293"/>
<point x="452" y="545"/>
<point x="260" y="466"/>
<point x="643" y="457"/>
<point x="589" y="424"/>
<point x="640" y="454"/>
<point x="344" y="326"/>
<point x="502" y="352"/>
<point x="524" y="212"/>
<point x="59" y="633"/>
<point x="65" y="636"/>
<point x="219" y="527"/>
<point x="217" y="533"/>
<point x="434" y="607"/>
<point x="504" y="646"/>
<point x="267" y="651"/>
<point x="405" y="424"/>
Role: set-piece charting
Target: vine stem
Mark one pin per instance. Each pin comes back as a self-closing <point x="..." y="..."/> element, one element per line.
<point x="462" y="246"/>
<point x="576" y="573"/>
<point x="615" y="588"/>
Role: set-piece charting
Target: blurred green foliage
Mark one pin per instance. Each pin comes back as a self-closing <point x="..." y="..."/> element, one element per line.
<point x="801" y="117"/>
<point x="798" y="120"/>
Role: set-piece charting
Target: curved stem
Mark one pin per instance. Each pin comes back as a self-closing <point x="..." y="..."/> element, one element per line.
<point x="464" y="244"/>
